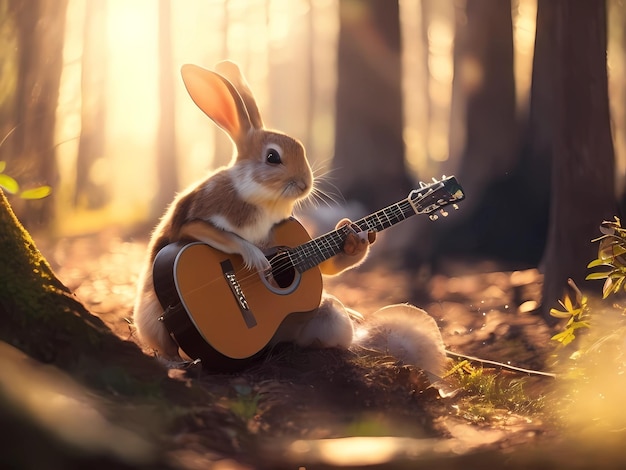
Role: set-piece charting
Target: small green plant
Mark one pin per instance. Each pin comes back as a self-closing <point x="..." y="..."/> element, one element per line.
<point x="11" y="186"/>
<point x="589" y="394"/>
<point x="488" y="392"/>
<point x="576" y="311"/>
<point x="611" y="253"/>
<point x="246" y="404"/>
<point x="611" y="256"/>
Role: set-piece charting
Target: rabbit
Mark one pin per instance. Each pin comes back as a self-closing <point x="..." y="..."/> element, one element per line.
<point x="236" y="206"/>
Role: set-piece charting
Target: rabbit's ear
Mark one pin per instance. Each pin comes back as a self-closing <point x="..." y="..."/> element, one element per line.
<point x="231" y="71"/>
<point x="218" y="98"/>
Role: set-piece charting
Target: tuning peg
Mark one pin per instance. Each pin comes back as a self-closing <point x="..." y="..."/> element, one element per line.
<point x="443" y="213"/>
<point x="455" y="207"/>
<point x="433" y="216"/>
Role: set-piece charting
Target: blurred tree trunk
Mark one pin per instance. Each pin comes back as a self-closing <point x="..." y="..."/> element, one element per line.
<point x="483" y="128"/>
<point x="512" y="216"/>
<point x="8" y="65"/>
<point x="533" y="173"/>
<point x="166" y="146"/>
<point x="310" y="84"/>
<point x="427" y="7"/>
<point x="223" y="148"/>
<point x="540" y="125"/>
<point x="40" y="26"/>
<point x="91" y="193"/>
<point x="619" y="7"/>
<point x="483" y="93"/>
<point x="369" y="165"/>
<point x="583" y="160"/>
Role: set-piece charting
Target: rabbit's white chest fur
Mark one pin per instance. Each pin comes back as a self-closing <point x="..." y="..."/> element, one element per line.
<point x="271" y="208"/>
<point x="256" y="233"/>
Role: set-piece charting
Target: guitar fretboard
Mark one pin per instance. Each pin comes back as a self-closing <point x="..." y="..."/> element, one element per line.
<point x="424" y="200"/>
<point x="328" y="245"/>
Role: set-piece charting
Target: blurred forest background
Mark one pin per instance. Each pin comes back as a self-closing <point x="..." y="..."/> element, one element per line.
<point x="383" y="93"/>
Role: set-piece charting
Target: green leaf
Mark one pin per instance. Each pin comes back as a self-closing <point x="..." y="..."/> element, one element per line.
<point x="598" y="262"/>
<point x="9" y="184"/>
<point x="36" y="193"/>
<point x="599" y="275"/>
<point x="607" y="287"/>
<point x="567" y="303"/>
<point x="564" y="337"/>
<point x="618" y="285"/>
<point x="3" y="165"/>
<point x="579" y="324"/>
<point x="559" y="314"/>
<point x="619" y="250"/>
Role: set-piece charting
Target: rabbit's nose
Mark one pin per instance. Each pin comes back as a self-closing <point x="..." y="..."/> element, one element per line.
<point x="305" y="185"/>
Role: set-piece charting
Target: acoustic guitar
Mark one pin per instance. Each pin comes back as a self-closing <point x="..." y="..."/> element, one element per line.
<point x="219" y="311"/>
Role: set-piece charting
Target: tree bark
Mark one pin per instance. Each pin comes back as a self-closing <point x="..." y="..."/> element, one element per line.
<point x="583" y="165"/>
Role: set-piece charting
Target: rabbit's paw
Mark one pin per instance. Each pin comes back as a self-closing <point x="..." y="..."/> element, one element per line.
<point x="356" y="243"/>
<point x="254" y="259"/>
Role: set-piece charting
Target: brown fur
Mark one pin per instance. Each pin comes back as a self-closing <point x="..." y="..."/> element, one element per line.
<point x="235" y="208"/>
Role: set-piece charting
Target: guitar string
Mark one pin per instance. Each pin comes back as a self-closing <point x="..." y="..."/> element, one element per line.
<point x="330" y="245"/>
<point x="306" y="257"/>
<point x="308" y="254"/>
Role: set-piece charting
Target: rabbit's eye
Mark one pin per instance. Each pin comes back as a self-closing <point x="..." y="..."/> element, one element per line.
<point x="272" y="156"/>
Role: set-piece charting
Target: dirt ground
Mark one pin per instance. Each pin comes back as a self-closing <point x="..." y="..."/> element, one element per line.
<point x="333" y="409"/>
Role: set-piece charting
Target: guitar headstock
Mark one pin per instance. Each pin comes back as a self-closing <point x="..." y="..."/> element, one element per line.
<point x="431" y="198"/>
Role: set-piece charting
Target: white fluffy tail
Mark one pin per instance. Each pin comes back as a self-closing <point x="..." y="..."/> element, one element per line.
<point x="407" y="333"/>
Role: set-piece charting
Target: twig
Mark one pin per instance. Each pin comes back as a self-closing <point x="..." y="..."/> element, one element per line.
<point x="485" y="362"/>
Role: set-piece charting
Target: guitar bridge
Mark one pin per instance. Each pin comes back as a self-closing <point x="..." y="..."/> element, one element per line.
<point x="231" y="279"/>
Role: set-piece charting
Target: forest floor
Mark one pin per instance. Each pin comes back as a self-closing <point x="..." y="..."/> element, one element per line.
<point x="341" y="409"/>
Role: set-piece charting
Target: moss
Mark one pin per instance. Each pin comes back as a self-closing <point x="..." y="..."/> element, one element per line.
<point x="38" y="314"/>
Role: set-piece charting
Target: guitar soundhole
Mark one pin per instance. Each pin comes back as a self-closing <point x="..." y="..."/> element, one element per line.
<point x="283" y="272"/>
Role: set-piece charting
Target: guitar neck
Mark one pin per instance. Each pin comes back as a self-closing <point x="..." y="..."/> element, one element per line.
<point x="425" y="200"/>
<point x="319" y="249"/>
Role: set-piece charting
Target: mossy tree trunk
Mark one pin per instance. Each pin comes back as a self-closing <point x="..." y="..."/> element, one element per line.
<point x="84" y="408"/>
<point x="40" y="316"/>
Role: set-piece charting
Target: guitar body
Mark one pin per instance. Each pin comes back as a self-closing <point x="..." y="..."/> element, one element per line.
<point x="220" y="311"/>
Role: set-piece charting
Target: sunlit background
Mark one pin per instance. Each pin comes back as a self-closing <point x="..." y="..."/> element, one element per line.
<point x="287" y="50"/>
